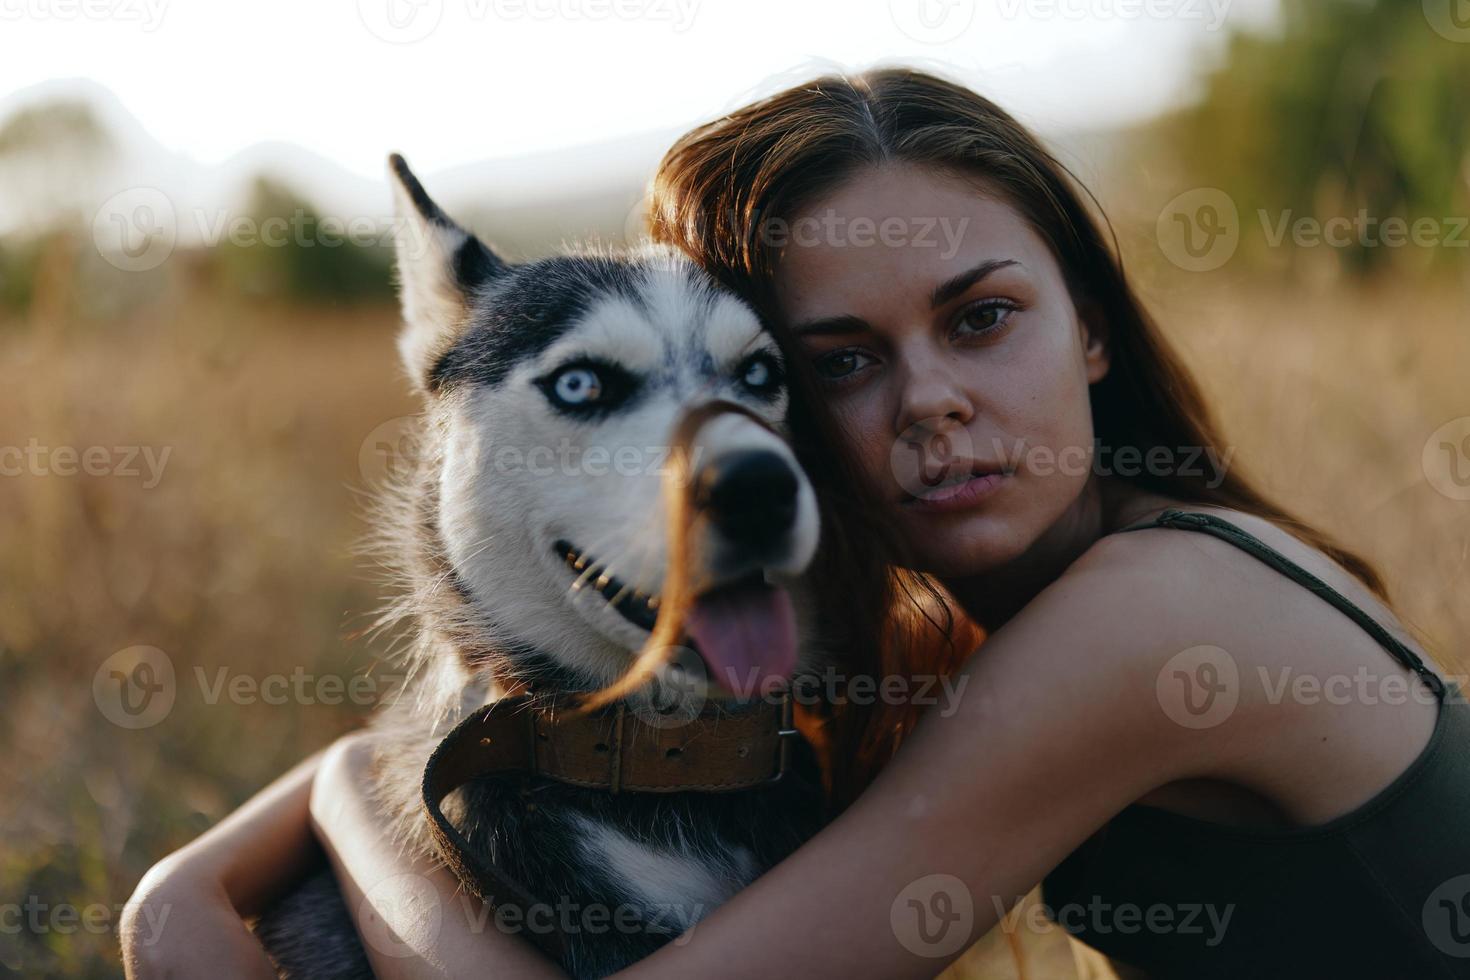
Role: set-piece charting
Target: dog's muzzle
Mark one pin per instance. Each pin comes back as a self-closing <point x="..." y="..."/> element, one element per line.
<point x="749" y="496"/>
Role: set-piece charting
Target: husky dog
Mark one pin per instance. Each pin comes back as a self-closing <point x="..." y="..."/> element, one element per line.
<point x="534" y="543"/>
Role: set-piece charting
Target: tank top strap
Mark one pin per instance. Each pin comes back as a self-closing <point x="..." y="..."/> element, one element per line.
<point x="1244" y="540"/>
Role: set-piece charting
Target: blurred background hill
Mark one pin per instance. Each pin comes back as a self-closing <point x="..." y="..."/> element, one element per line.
<point x="217" y="331"/>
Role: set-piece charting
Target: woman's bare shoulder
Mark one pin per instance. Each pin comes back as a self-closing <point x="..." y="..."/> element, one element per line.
<point x="1282" y="677"/>
<point x="1140" y="610"/>
<point x="1224" y="575"/>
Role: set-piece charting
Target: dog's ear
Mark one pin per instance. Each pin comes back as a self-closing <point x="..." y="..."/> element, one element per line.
<point x="440" y="265"/>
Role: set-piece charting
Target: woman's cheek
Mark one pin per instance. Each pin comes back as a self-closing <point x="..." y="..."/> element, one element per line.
<point x="861" y="419"/>
<point x="1067" y="440"/>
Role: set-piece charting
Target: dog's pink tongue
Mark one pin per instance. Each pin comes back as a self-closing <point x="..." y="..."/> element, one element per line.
<point x="746" y="634"/>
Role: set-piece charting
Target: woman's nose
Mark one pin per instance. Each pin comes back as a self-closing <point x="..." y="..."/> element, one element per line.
<point x="934" y="393"/>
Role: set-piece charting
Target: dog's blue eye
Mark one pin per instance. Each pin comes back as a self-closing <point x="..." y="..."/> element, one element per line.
<point x="587" y="388"/>
<point x="577" y="386"/>
<point x="761" y="374"/>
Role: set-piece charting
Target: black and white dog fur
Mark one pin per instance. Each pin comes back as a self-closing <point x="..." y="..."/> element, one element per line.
<point x="578" y="357"/>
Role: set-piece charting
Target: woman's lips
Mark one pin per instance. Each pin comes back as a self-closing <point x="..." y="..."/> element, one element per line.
<point x="958" y="496"/>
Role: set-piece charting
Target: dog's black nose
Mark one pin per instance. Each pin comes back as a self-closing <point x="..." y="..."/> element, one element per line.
<point x="749" y="495"/>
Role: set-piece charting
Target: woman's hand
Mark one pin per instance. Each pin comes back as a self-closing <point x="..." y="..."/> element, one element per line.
<point x="412" y="917"/>
<point x="185" y="918"/>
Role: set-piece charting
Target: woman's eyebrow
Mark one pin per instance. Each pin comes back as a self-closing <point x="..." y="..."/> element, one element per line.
<point x="845" y="324"/>
<point x="956" y="286"/>
<point x="943" y="293"/>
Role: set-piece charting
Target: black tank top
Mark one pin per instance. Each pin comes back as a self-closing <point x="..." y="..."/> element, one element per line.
<point x="1382" y="892"/>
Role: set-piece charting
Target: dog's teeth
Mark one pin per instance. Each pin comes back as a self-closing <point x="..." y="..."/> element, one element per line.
<point x="638" y="606"/>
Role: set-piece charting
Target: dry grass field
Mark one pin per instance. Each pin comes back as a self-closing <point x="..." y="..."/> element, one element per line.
<point x="235" y="559"/>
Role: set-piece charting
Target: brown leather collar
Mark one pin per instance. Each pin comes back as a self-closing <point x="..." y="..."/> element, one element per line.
<point x="616" y="749"/>
<point x="721" y="750"/>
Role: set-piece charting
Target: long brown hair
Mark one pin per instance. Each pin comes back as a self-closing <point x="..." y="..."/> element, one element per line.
<point x="724" y="181"/>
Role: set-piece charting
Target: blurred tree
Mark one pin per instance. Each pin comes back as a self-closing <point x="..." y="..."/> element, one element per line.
<point x="1351" y="107"/>
<point x="18" y="261"/>
<point x="280" y="248"/>
<point x="57" y="151"/>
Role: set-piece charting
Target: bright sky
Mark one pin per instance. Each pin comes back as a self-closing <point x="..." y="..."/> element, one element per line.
<point x="467" y="80"/>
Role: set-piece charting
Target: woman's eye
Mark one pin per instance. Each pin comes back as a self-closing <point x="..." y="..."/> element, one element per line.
<point x="985" y="316"/>
<point x="577" y="386"/>
<point x="840" y="364"/>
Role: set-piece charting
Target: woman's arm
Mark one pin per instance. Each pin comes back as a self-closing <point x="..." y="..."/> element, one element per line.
<point x="412" y="917"/>
<point x="1059" y="727"/>
<point x="185" y="918"/>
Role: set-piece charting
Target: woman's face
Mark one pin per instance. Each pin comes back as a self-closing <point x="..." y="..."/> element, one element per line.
<point x="952" y="356"/>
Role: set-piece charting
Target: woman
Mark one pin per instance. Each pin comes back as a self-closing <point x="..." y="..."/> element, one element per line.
<point x="1130" y="734"/>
